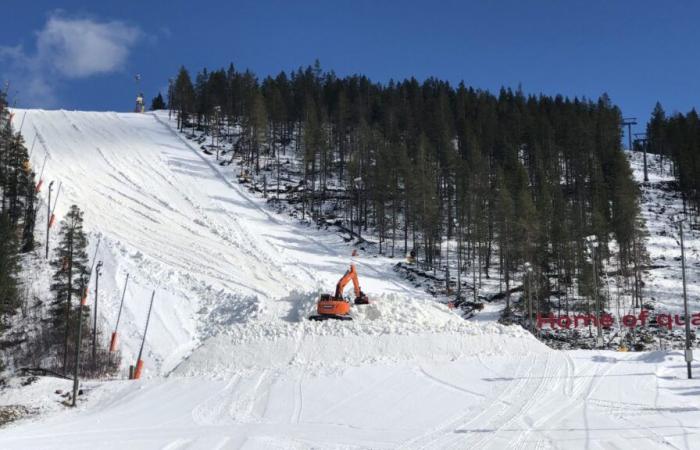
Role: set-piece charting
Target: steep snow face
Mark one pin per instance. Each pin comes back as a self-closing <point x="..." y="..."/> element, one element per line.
<point x="220" y="261"/>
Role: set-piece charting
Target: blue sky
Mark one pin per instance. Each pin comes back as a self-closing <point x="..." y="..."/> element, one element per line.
<point x="84" y="55"/>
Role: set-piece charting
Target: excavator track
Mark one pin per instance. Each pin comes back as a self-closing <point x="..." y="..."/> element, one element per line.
<point x="322" y="317"/>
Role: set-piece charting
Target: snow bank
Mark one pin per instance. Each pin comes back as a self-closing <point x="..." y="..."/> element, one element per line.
<point x="390" y="329"/>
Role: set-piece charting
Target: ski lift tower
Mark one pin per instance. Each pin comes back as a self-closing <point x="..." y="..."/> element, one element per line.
<point x="170" y="98"/>
<point x="629" y="121"/>
<point x="139" y="108"/>
<point x="641" y="138"/>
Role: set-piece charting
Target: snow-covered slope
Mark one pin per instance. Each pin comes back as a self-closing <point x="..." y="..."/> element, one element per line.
<point x="232" y="362"/>
<point x="662" y="204"/>
<point x="219" y="260"/>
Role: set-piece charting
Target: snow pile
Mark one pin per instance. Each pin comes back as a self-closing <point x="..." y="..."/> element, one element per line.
<point x="36" y="395"/>
<point x="389" y="330"/>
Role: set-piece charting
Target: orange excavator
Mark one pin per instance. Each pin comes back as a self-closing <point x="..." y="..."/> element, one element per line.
<point x="335" y="306"/>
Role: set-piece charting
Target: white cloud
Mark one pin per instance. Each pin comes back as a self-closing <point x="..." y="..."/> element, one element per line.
<point x="79" y="48"/>
<point x="67" y="48"/>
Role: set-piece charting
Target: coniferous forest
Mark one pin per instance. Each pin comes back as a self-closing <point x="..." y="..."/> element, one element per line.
<point x="489" y="184"/>
<point x="678" y="137"/>
<point x="17" y="212"/>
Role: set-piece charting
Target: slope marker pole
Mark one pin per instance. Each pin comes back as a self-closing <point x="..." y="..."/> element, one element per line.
<point x="52" y="219"/>
<point x="113" y="343"/>
<point x="139" y="361"/>
<point x="98" y="272"/>
<point x="83" y="300"/>
<point x="85" y="283"/>
<point x="48" y="219"/>
<point x="21" y="125"/>
<point x="31" y="151"/>
<point x="688" y="343"/>
<point x="41" y="175"/>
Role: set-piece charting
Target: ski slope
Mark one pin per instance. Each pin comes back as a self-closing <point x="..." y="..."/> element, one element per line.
<point x="232" y="362"/>
<point x="215" y="255"/>
<point x="523" y="398"/>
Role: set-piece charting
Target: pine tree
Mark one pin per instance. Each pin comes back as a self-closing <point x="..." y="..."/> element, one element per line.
<point x="506" y="227"/>
<point x="257" y="127"/>
<point x="656" y="132"/>
<point x="183" y="100"/>
<point x="9" y="268"/>
<point x="71" y="265"/>
<point x="157" y="103"/>
<point x="313" y="141"/>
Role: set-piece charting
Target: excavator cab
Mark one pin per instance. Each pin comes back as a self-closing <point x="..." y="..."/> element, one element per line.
<point x="335" y="306"/>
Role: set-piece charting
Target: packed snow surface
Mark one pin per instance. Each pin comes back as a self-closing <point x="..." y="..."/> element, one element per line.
<point x="523" y="398"/>
<point x="233" y="362"/>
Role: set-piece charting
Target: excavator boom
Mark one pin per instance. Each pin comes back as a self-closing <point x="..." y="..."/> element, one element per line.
<point x="350" y="275"/>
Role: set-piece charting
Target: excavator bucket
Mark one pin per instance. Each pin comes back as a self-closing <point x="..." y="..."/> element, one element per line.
<point x="362" y="299"/>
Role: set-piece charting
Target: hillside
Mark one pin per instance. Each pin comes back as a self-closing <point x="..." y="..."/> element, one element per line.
<point x="232" y="362"/>
<point x="661" y="205"/>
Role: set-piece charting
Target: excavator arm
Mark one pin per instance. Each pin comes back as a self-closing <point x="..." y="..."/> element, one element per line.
<point x="351" y="275"/>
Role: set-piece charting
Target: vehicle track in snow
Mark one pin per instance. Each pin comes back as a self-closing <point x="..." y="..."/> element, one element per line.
<point x="436" y="437"/>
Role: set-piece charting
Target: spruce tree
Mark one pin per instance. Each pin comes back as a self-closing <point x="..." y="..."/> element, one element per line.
<point x="506" y="225"/>
<point x="9" y="268"/>
<point x="157" y="103"/>
<point x="183" y="100"/>
<point x="656" y="132"/>
<point x="71" y="265"/>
